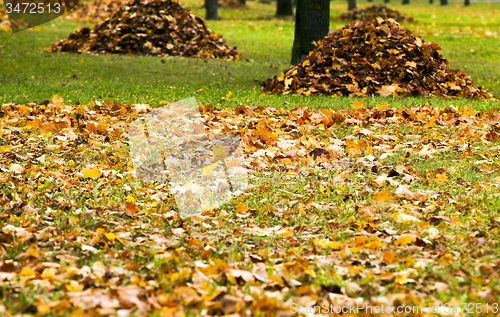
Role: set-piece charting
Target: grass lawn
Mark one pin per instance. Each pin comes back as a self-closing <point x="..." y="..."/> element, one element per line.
<point x="401" y="210"/>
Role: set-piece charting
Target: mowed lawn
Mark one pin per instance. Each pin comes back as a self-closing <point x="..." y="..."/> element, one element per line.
<point x="379" y="202"/>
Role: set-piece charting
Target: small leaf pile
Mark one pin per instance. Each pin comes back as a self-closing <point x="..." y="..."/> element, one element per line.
<point x="162" y="27"/>
<point x="373" y="12"/>
<point x="94" y="11"/>
<point x="375" y="57"/>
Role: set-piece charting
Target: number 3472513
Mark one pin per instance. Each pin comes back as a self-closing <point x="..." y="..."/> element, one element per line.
<point x="33" y="8"/>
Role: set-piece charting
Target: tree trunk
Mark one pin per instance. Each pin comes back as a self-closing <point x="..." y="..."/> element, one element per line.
<point x="406" y="2"/>
<point x="431" y="1"/>
<point x="284" y="8"/>
<point x="444" y="2"/>
<point x="386" y="1"/>
<point x="370" y="0"/>
<point x="312" y="20"/>
<point x="467" y="3"/>
<point x="351" y="4"/>
<point x="212" y="7"/>
<point x="243" y="2"/>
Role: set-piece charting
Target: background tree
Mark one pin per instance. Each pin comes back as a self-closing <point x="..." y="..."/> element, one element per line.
<point x="386" y="1"/>
<point x="284" y="8"/>
<point x="444" y="2"/>
<point x="406" y="2"/>
<point x="212" y="7"/>
<point x="467" y="3"/>
<point x="351" y="4"/>
<point x="312" y="20"/>
<point x="431" y="1"/>
<point x="244" y="2"/>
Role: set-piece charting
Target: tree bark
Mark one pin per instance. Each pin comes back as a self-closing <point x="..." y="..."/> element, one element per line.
<point x="444" y="2"/>
<point x="243" y="2"/>
<point x="212" y="7"/>
<point x="386" y="1"/>
<point x="467" y="3"/>
<point x="312" y="20"/>
<point x="351" y="4"/>
<point x="406" y="2"/>
<point x="284" y="8"/>
<point x="431" y="1"/>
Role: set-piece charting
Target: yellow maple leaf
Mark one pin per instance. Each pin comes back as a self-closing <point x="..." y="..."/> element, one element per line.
<point x="374" y="245"/>
<point x="57" y="100"/>
<point x="385" y="106"/>
<point x="404" y="240"/>
<point x="207" y="168"/>
<point x="100" y="231"/>
<point x="282" y="77"/>
<point x="382" y="196"/>
<point x="74" y="286"/>
<point x="219" y="152"/>
<point x="441" y="178"/>
<point x="111" y="236"/>
<point x="91" y="172"/>
<point x="288" y="82"/>
<point x="356" y="105"/>
<point x="241" y="208"/>
<point x="306" y="63"/>
<point x="26" y="271"/>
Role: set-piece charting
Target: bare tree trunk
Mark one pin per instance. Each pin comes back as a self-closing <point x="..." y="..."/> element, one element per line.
<point x="444" y="2"/>
<point x="243" y="2"/>
<point x="351" y="4"/>
<point x="386" y="1"/>
<point x="284" y="8"/>
<point x="467" y="3"/>
<point x="212" y="7"/>
<point x="312" y="20"/>
<point x="431" y="1"/>
<point x="406" y="2"/>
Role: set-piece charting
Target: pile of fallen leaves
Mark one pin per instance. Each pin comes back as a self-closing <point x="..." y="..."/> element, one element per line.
<point x="373" y="12"/>
<point x="95" y="11"/>
<point x="375" y="57"/>
<point x="378" y="230"/>
<point x="161" y="27"/>
<point x="235" y="4"/>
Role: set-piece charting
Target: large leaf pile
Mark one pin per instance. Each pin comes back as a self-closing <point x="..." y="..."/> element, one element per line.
<point x="373" y="12"/>
<point x="375" y="57"/>
<point x="162" y="27"/>
<point x="95" y="11"/>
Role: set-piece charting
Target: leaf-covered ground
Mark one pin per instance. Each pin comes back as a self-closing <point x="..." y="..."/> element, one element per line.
<point x="374" y="205"/>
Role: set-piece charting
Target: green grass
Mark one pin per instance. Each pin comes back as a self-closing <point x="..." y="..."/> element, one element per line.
<point x="28" y="73"/>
